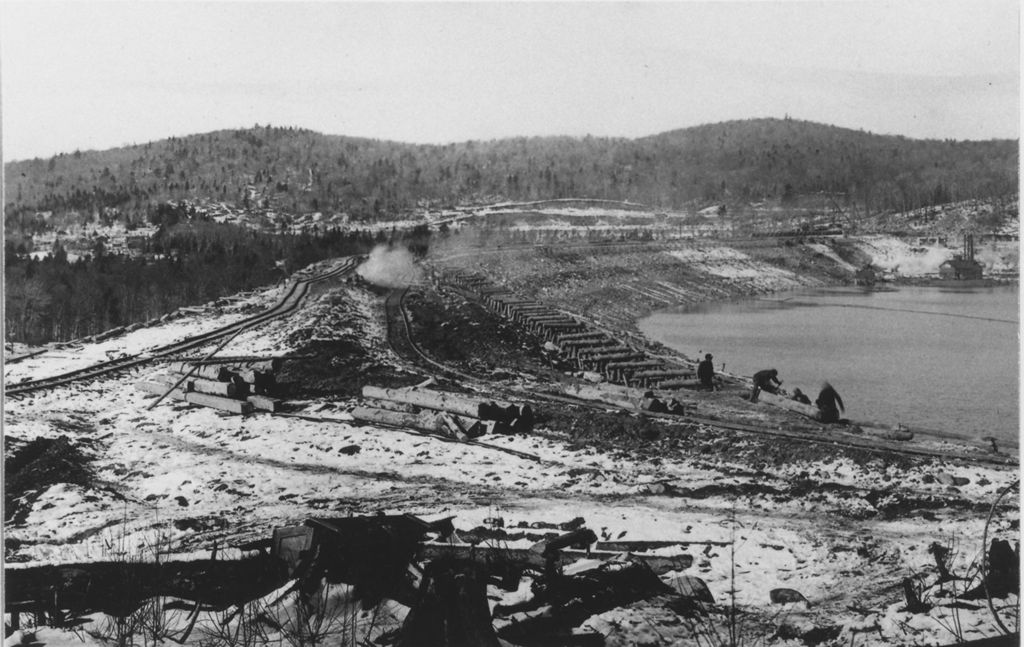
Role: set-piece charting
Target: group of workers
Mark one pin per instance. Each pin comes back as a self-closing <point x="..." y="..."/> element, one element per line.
<point x="829" y="404"/>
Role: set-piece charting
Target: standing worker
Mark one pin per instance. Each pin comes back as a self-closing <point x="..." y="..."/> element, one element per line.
<point x="766" y="380"/>
<point x="829" y="404"/>
<point x="706" y="373"/>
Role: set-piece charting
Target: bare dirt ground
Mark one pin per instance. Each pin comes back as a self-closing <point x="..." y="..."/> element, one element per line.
<point x="844" y="526"/>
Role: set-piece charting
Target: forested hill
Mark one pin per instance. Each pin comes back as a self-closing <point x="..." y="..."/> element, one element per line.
<point x="300" y="170"/>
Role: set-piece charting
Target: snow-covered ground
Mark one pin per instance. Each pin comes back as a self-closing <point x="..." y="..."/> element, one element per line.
<point x="187" y="476"/>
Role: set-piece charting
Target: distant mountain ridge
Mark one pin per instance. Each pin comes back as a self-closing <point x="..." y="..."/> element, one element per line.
<point x="299" y="170"/>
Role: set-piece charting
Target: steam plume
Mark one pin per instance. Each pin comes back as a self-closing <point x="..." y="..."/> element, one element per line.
<point x="390" y="267"/>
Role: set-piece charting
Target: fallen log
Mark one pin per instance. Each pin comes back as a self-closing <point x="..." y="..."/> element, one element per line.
<point x="635" y="546"/>
<point x="119" y="588"/>
<point x="428" y="421"/>
<point x="679" y="384"/>
<point x="529" y="558"/>
<point x="575" y="598"/>
<point x="439" y="401"/>
<point x="786" y="403"/>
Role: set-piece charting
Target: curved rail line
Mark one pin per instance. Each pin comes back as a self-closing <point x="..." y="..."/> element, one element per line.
<point x="404" y="345"/>
<point x="290" y="301"/>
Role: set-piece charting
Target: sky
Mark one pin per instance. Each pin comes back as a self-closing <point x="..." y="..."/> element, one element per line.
<point x="95" y="75"/>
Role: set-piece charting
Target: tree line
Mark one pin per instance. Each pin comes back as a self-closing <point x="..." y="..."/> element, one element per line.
<point x="299" y="171"/>
<point x="57" y="299"/>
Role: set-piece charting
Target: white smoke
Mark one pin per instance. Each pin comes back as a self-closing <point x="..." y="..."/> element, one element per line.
<point x="390" y="267"/>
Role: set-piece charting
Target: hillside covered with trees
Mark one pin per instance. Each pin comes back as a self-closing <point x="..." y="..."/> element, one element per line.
<point x="299" y="171"/>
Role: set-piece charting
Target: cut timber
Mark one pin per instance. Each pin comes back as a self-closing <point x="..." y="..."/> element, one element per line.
<point x="264" y="403"/>
<point x="226" y="389"/>
<point x="497" y="555"/>
<point x="606" y="352"/>
<point x="679" y="384"/>
<point x="427" y="421"/>
<point x="785" y="403"/>
<point x="581" y="335"/>
<point x="217" y="402"/>
<point x="663" y="374"/>
<point x="644" y="545"/>
<point x="206" y="371"/>
<point x="450" y="402"/>
<point x="159" y="388"/>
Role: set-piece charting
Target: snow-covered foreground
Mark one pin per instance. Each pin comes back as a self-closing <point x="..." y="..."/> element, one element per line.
<point x="187" y="476"/>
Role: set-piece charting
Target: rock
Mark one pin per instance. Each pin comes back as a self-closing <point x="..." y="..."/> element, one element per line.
<point x="961" y="481"/>
<point x="591" y="376"/>
<point x="350" y="450"/>
<point x="182" y="501"/>
<point x="573" y="524"/>
<point x="692" y="587"/>
<point x="654" y="488"/>
<point x="787" y="596"/>
<point x="944" y="479"/>
<point x="927" y="478"/>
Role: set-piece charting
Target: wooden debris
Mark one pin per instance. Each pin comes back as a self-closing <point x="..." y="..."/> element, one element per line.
<point x="451" y="608"/>
<point x="264" y="403"/>
<point x="527" y="557"/>
<point x="226" y="389"/>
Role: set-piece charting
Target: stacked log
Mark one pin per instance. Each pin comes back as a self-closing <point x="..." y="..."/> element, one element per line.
<point x="238" y="387"/>
<point x="655" y="376"/>
<point x="622" y="371"/>
<point x="448" y="414"/>
<point x="192" y="397"/>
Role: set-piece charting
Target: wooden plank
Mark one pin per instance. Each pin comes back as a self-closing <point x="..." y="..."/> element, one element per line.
<point x="159" y="388"/>
<point x="225" y="389"/>
<point x="217" y="402"/>
<point x="264" y="403"/>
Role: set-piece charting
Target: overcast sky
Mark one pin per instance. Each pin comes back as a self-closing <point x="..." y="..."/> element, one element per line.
<point x="88" y="75"/>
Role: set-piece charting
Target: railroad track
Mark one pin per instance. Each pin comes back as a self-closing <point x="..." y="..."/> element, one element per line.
<point x="288" y="303"/>
<point x="400" y="338"/>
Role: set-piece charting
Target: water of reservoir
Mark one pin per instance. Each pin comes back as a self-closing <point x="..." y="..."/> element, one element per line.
<point x="932" y="358"/>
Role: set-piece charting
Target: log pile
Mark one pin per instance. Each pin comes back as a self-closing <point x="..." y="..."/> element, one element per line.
<point x="588" y="349"/>
<point x="451" y="415"/>
<point x="236" y="387"/>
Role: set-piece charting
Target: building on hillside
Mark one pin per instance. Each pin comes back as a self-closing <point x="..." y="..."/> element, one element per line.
<point x="962" y="267"/>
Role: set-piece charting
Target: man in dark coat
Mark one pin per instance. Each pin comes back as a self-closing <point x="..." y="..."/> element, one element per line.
<point x="706" y="373"/>
<point x="829" y="404"/>
<point x="766" y="380"/>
